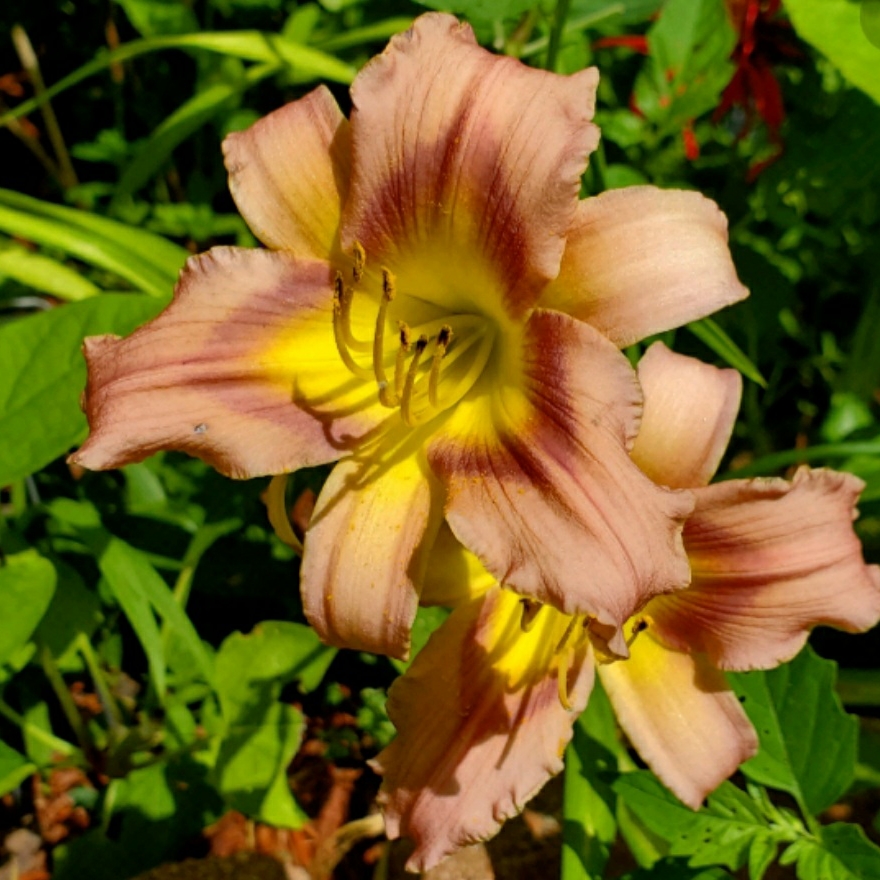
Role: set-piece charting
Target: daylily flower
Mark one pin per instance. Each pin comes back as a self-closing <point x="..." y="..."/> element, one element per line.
<point x="438" y="312"/>
<point x="486" y="709"/>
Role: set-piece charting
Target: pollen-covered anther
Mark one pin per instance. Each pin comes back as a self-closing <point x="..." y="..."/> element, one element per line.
<point x="639" y="626"/>
<point x="360" y="262"/>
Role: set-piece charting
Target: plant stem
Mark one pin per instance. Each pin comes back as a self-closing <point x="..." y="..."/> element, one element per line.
<point x="62" y="746"/>
<point x="559" y="17"/>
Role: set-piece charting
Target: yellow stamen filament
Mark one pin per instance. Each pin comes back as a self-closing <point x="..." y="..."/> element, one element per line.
<point x="530" y="611"/>
<point x="563" y="664"/>
<point x="360" y="261"/>
<point x="409" y="384"/>
<point x="443" y="341"/>
<point x="387" y="394"/>
<point x="402" y="352"/>
<point x="339" y="334"/>
<point x="345" y="296"/>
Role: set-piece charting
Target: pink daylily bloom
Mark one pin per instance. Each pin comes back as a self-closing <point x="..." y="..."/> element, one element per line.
<point x="486" y="709"/>
<point x="437" y="312"/>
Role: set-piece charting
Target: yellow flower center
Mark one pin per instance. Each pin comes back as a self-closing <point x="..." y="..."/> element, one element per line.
<point x="422" y="366"/>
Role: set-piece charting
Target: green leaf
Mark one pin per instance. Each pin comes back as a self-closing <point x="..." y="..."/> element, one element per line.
<point x="673" y="869"/>
<point x="42" y="374"/>
<point x="798" y="717"/>
<point x="688" y="65"/>
<point x="304" y="63"/>
<point x="589" y="824"/>
<point x="710" y="334"/>
<point x="841" y="853"/>
<point x="27" y="583"/>
<point x="189" y="117"/>
<point x="148" y="261"/>
<point x="834" y="27"/>
<point x="155" y="17"/>
<point x="725" y="832"/>
<point x="427" y="620"/>
<point x="261" y="735"/>
<point x="44" y="274"/>
<point x="14" y="768"/>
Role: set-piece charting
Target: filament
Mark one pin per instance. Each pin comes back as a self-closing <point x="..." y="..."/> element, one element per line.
<point x="443" y="341"/>
<point x="409" y="383"/>
<point x="387" y="395"/>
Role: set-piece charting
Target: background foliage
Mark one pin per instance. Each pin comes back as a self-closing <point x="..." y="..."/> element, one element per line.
<point x="156" y="675"/>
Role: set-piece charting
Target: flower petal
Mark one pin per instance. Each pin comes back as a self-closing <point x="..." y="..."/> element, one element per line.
<point x="771" y="560"/>
<point x="217" y="374"/>
<point x="641" y="260"/>
<point x="453" y="574"/>
<point x="480" y="725"/>
<point x="289" y="174"/>
<point x="541" y="488"/>
<point x="681" y="716"/>
<point x="690" y="410"/>
<point x="366" y="549"/>
<point x="457" y="150"/>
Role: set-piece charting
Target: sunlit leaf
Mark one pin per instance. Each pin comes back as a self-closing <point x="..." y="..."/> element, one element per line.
<point x="27" y="583"/>
<point x="14" y="768"/>
<point x="45" y="274"/>
<point x="808" y="743"/>
<point x="43" y="373"/>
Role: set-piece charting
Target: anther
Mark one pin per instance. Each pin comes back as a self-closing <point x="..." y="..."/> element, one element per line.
<point x="360" y="260"/>
<point x="530" y="609"/>
<point x="639" y="626"/>
<point x="409" y="384"/>
<point x="387" y="394"/>
<point x="443" y="340"/>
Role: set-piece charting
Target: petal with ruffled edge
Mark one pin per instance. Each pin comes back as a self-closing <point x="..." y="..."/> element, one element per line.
<point x="689" y="413"/>
<point x="459" y="151"/>
<point x="480" y="725"/>
<point x="218" y="374"/>
<point x="681" y="716"/>
<point x="540" y="485"/>
<point x="771" y="560"/>
<point x="289" y="173"/>
<point x="641" y="260"/>
<point x="366" y="548"/>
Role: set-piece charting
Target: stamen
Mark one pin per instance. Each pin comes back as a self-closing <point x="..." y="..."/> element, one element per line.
<point x="530" y="610"/>
<point x="639" y="626"/>
<point x="402" y="352"/>
<point x="443" y="340"/>
<point x="360" y="260"/>
<point x="409" y="384"/>
<point x="563" y="664"/>
<point x="387" y="395"/>
<point x="567" y="634"/>
<point x="346" y="296"/>
<point x="339" y="333"/>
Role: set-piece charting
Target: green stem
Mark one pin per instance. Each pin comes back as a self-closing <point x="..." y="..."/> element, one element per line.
<point x="577" y="24"/>
<point x="59" y="686"/>
<point x="62" y="746"/>
<point x="778" y="460"/>
<point x="84" y="646"/>
<point x="559" y="18"/>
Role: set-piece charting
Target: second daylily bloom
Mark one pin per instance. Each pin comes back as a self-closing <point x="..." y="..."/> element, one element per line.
<point x="438" y="312"/>
<point x="486" y="709"/>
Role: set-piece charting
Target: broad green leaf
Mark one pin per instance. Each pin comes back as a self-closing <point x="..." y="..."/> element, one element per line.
<point x="304" y="63"/>
<point x="27" y="583"/>
<point x="722" y="833"/>
<point x="14" y="769"/>
<point x="189" y="117"/>
<point x="45" y="274"/>
<point x="427" y="620"/>
<point x="42" y="374"/>
<point x="688" y="66"/>
<point x="261" y="735"/>
<point x="834" y="27"/>
<point x="808" y="743"/>
<point x="711" y="335"/>
<point x="589" y="824"/>
<point x="146" y="260"/>
<point x="842" y="852"/>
